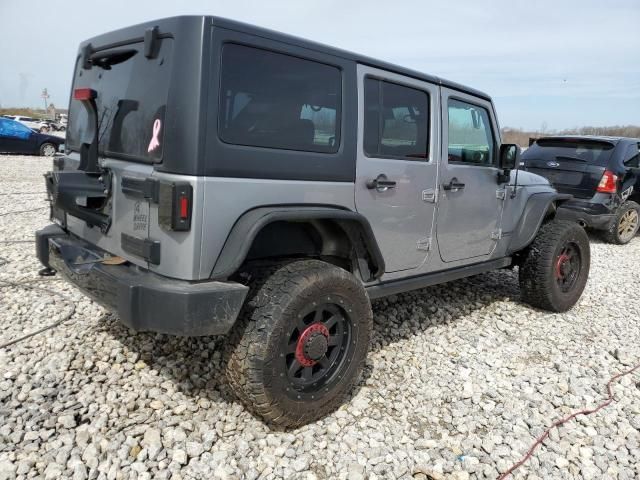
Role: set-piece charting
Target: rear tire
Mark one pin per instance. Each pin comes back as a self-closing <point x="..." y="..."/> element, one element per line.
<point x="300" y="343"/>
<point x="555" y="266"/>
<point x="625" y="226"/>
<point x="48" y="149"/>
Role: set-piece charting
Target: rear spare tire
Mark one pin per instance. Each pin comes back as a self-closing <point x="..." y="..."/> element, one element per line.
<point x="555" y="266"/>
<point x="300" y="343"/>
<point x="625" y="226"/>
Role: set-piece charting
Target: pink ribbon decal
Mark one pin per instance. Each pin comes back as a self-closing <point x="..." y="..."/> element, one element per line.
<point x="155" y="143"/>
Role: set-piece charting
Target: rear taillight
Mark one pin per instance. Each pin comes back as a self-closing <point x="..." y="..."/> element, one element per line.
<point x="608" y="183"/>
<point x="184" y="207"/>
<point x="175" y="206"/>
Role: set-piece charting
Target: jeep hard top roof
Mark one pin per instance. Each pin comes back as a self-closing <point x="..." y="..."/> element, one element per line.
<point x="172" y="25"/>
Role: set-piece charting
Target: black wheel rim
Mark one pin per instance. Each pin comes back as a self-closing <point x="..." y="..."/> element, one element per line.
<point x="568" y="266"/>
<point x="317" y="345"/>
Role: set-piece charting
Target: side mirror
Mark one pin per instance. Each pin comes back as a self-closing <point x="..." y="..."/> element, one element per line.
<point x="509" y="156"/>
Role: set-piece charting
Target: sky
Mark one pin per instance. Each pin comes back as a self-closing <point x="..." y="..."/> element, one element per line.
<point x="547" y="64"/>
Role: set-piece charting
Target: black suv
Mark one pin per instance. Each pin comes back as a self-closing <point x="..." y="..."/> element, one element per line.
<point x="602" y="174"/>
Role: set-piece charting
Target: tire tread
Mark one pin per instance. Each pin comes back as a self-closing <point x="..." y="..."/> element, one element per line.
<point x="270" y="288"/>
<point x="536" y="271"/>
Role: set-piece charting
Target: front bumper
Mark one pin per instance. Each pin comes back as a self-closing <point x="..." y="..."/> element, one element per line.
<point x="590" y="215"/>
<point x="143" y="300"/>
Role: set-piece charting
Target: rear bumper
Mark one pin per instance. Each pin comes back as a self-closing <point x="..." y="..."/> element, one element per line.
<point x="143" y="300"/>
<point x="591" y="215"/>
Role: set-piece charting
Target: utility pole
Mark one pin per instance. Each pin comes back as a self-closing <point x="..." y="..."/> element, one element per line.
<point x="45" y="96"/>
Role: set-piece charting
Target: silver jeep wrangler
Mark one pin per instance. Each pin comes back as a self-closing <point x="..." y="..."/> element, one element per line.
<point x="224" y="179"/>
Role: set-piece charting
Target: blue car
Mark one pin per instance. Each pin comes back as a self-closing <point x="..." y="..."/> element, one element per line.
<point x="18" y="138"/>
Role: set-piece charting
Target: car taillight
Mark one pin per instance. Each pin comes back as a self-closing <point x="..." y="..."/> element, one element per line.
<point x="175" y="205"/>
<point x="84" y="94"/>
<point x="608" y="183"/>
<point x="184" y="207"/>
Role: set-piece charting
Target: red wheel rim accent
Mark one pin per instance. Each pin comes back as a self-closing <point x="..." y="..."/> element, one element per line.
<point x="562" y="259"/>
<point x="304" y="337"/>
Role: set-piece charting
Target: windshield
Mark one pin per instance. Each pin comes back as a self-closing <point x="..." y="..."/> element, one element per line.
<point x="131" y="101"/>
<point x="592" y="152"/>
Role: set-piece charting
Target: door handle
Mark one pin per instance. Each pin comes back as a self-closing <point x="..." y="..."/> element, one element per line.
<point x="454" y="185"/>
<point x="381" y="183"/>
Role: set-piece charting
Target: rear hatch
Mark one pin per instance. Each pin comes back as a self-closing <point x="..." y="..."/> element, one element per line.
<point x="123" y="82"/>
<point x="572" y="165"/>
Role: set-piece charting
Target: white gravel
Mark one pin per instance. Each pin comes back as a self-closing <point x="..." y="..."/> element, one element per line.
<point x="460" y="380"/>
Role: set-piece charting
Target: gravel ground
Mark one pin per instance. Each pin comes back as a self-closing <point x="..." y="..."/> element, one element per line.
<point x="460" y="380"/>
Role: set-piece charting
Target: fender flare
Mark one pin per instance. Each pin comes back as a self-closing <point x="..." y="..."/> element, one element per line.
<point x="249" y="224"/>
<point x="533" y="214"/>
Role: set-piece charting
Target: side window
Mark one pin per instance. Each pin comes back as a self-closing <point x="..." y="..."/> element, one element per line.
<point x="396" y="121"/>
<point x="470" y="135"/>
<point x="273" y="100"/>
<point x="632" y="157"/>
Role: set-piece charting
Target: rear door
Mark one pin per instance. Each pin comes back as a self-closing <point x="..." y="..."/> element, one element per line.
<point x="631" y="180"/>
<point x="571" y="165"/>
<point x="397" y="164"/>
<point x="470" y="207"/>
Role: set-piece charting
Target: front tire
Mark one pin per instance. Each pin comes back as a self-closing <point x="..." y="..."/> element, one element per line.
<point x="625" y="226"/>
<point x="555" y="267"/>
<point x="300" y="343"/>
<point x="47" y="149"/>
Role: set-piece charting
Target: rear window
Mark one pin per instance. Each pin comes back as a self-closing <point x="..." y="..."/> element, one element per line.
<point x="594" y="152"/>
<point x="273" y="100"/>
<point x="132" y="95"/>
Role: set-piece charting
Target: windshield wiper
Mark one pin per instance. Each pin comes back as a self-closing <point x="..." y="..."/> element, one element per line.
<point x="565" y="157"/>
<point x="106" y="59"/>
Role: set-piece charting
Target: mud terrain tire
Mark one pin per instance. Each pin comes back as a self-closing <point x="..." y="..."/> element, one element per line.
<point x="555" y="266"/>
<point x="300" y="342"/>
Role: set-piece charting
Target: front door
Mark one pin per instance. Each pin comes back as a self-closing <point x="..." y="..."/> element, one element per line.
<point x="470" y="204"/>
<point x="397" y="166"/>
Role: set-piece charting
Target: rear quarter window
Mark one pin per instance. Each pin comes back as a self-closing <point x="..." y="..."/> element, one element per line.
<point x="274" y="100"/>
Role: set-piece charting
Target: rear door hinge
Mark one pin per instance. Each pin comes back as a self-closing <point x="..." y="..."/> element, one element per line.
<point x="424" y="244"/>
<point x="501" y="193"/>
<point x="497" y="235"/>
<point x="430" y="195"/>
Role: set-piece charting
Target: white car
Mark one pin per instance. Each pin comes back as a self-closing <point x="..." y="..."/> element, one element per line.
<point x="32" y="123"/>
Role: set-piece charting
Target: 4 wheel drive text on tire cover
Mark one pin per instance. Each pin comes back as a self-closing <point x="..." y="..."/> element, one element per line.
<point x="262" y="186"/>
